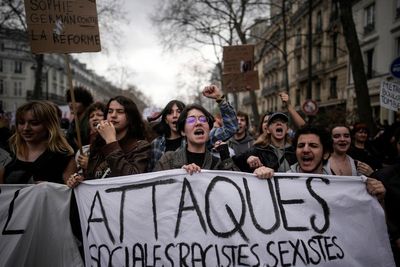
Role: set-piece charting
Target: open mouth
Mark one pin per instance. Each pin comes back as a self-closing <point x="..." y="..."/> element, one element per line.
<point x="306" y="159"/>
<point x="279" y="130"/>
<point x="199" y="132"/>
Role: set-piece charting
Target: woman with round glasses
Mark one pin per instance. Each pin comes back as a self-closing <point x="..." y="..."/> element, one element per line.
<point x="195" y="123"/>
<point x="170" y="138"/>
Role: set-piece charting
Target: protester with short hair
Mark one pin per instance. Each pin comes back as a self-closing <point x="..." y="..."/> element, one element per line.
<point x="97" y="113"/>
<point x="40" y="150"/>
<point x="273" y="147"/>
<point x="242" y="140"/>
<point x="83" y="99"/>
<point x="313" y="148"/>
<point x="120" y="147"/>
<point x="361" y="150"/>
<point x="390" y="177"/>
<point x="298" y="121"/>
<point x="194" y="123"/>
<point x="217" y="134"/>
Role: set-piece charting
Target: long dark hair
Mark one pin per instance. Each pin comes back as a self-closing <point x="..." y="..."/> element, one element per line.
<point x="136" y="126"/>
<point x="162" y="128"/>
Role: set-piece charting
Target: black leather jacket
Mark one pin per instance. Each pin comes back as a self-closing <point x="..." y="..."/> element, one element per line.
<point x="266" y="155"/>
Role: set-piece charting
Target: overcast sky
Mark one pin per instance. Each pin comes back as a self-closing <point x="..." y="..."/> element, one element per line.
<point x="152" y="70"/>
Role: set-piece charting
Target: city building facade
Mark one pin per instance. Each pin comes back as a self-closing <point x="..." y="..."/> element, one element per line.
<point x="17" y="76"/>
<point x="330" y="82"/>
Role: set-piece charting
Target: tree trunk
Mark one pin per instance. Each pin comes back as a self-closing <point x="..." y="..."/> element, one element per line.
<point x="254" y="106"/>
<point x="360" y="79"/>
<point x="37" y="89"/>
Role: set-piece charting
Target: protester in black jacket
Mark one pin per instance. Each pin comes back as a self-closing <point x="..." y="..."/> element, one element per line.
<point x="390" y="177"/>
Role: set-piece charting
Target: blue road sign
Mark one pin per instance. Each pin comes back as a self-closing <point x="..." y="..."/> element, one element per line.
<point x="395" y="68"/>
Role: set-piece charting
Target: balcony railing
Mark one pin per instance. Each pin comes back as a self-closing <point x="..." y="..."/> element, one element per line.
<point x="58" y="99"/>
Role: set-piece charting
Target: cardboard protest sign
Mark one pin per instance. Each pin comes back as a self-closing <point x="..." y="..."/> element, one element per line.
<point x="390" y="95"/>
<point x="238" y="73"/>
<point x="63" y="26"/>
<point x="35" y="226"/>
<point x="221" y="218"/>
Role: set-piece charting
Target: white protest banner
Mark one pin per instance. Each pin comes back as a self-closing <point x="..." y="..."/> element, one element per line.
<point x="390" y="95"/>
<point x="35" y="227"/>
<point x="221" y="218"/>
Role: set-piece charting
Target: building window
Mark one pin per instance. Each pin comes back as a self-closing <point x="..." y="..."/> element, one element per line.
<point x="298" y="63"/>
<point x="297" y="97"/>
<point x="20" y="88"/>
<point x="15" y="88"/>
<point x="334" y="45"/>
<point x="369" y="18"/>
<point x="369" y="56"/>
<point x="2" y="87"/>
<point x="397" y="9"/>
<point x="1" y="65"/>
<point x="298" y="37"/>
<point x="318" y="28"/>
<point x="318" y="91"/>
<point x="17" y="67"/>
<point x="318" y="57"/>
<point x="334" y="11"/>
<point x="333" y="88"/>
<point x="54" y="75"/>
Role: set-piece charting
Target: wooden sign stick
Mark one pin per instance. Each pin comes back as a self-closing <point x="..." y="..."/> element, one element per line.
<point x="71" y="88"/>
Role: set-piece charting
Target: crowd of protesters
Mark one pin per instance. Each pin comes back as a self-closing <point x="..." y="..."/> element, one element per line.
<point x="114" y="140"/>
